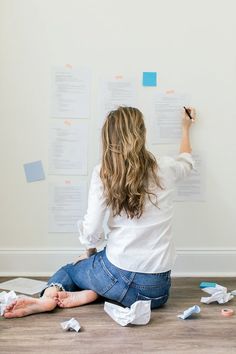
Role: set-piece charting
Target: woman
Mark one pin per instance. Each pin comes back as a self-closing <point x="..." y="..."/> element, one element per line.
<point x="138" y="193"/>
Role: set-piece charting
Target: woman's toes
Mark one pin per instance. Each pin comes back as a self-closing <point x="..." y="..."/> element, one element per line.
<point x="60" y="304"/>
<point x="11" y="305"/>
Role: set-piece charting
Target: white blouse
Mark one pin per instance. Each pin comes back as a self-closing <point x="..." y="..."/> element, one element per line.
<point x="139" y="245"/>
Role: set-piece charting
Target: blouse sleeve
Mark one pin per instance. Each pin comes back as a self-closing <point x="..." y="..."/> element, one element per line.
<point x="91" y="233"/>
<point x="182" y="166"/>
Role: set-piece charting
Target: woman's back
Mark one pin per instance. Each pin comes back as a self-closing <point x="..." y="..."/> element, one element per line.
<point x="145" y="244"/>
<point x="138" y="191"/>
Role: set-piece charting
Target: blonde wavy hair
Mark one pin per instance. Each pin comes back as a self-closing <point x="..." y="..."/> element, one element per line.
<point x="127" y="167"/>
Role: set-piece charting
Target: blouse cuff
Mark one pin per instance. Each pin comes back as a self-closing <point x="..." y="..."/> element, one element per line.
<point x="186" y="157"/>
<point x="89" y="241"/>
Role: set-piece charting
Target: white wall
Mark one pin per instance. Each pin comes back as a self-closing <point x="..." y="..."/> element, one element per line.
<point x="192" y="46"/>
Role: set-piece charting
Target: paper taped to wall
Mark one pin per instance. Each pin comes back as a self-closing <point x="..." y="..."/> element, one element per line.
<point x="167" y="117"/>
<point x="70" y="92"/>
<point x="66" y="205"/>
<point x="68" y="147"/>
<point x="116" y="91"/>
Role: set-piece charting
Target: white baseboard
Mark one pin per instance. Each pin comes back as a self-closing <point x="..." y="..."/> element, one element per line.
<point x="189" y="262"/>
<point x="216" y="262"/>
<point x="35" y="262"/>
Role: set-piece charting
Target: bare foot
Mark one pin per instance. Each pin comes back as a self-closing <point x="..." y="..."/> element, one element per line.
<point x="76" y="298"/>
<point x="28" y="305"/>
<point x="50" y="292"/>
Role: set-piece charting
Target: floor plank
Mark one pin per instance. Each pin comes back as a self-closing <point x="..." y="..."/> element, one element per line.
<point x="208" y="333"/>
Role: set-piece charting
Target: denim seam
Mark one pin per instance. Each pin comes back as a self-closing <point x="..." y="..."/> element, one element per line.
<point x="151" y="298"/>
<point x="108" y="287"/>
<point x="113" y="280"/>
<point x="68" y="274"/>
<point x="148" y="287"/>
<point x="124" y="292"/>
<point x="123" y="277"/>
<point x="104" y="267"/>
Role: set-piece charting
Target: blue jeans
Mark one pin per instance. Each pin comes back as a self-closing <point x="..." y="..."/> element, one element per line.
<point x="99" y="274"/>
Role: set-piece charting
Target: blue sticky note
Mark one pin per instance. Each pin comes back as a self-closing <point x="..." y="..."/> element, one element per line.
<point x="149" y="78"/>
<point x="206" y="284"/>
<point x="34" y="171"/>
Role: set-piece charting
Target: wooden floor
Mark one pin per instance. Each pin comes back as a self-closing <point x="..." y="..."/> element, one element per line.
<point x="210" y="332"/>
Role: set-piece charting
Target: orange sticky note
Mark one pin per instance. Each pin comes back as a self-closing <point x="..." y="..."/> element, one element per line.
<point x="168" y="92"/>
<point x="119" y="77"/>
<point x="67" y="122"/>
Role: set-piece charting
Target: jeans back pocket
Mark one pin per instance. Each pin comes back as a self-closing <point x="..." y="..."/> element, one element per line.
<point x="100" y="277"/>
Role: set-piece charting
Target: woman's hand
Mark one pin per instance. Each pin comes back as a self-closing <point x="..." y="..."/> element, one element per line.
<point x="186" y="121"/>
<point x="89" y="252"/>
<point x="185" y="145"/>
